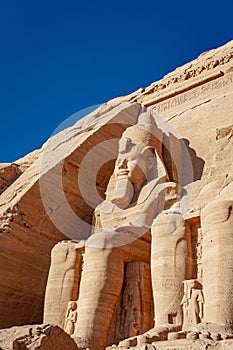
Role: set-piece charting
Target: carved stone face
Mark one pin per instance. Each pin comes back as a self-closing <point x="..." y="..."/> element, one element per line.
<point x="131" y="169"/>
<point x="132" y="164"/>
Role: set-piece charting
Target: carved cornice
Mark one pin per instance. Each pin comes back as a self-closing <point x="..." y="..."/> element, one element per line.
<point x="193" y="74"/>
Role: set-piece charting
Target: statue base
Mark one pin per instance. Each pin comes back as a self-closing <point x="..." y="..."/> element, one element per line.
<point x="181" y="344"/>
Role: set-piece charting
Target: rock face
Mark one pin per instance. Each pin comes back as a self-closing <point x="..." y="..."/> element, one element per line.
<point x="40" y="337"/>
<point x="8" y="174"/>
<point x="27" y="229"/>
<point x="148" y="260"/>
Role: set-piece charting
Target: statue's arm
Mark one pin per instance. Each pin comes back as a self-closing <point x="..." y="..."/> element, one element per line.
<point x="154" y="198"/>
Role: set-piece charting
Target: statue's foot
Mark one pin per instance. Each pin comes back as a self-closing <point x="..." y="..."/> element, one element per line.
<point x="133" y="228"/>
<point x="157" y="333"/>
<point x="206" y="330"/>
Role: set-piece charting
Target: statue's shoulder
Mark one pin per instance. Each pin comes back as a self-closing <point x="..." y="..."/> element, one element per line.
<point x="104" y="207"/>
<point x="151" y="190"/>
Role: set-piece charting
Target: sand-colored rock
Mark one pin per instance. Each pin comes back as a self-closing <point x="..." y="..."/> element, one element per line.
<point x="138" y="190"/>
<point x="64" y="280"/>
<point x="206" y="123"/>
<point x="36" y="337"/>
<point x="162" y="205"/>
<point x="27" y="229"/>
<point x="25" y="162"/>
<point x="8" y="174"/>
<point x="182" y="344"/>
<point x="217" y="222"/>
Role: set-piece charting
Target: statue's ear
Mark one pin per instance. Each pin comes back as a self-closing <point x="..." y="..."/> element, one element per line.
<point x="150" y="157"/>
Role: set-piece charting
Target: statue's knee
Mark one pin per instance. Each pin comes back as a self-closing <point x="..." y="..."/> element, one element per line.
<point x="217" y="211"/>
<point x="62" y="251"/>
<point x="99" y="240"/>
<point x="167" y="222"/>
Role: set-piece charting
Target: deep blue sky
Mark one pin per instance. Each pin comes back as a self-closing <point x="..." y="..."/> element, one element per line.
<point x="58" y="57"/>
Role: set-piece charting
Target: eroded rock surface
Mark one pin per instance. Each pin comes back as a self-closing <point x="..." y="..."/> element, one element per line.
<point x="27" y="229"/>
<point x="36" y="337"/>
<point x="8" y="174"/>
<point x="170" y="190"/>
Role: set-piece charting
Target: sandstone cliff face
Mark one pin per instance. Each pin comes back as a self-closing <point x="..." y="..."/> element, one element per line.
<point x="27" y="234"/>
<point x="8" y="174"/>
<point x="196" y="100"/>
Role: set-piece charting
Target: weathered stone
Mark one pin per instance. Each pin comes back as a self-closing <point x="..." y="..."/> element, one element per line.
<point x="36" y="337"/>
<point x="182" y="344"/>
<point x="8" y="174"/>
<point x="138" y="190"/>
<point x="27" y="230"/>
<point x="63" y="281"/>
<point x="166" y="205"/>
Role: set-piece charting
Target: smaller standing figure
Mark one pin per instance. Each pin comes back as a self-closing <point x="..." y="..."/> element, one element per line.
<point x="130" y="320"/>
<point x="192" y="303"/>
<point x="71" y="317"/>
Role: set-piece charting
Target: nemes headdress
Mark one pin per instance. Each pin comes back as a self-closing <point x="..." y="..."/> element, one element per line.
<point x="145" y="133"/>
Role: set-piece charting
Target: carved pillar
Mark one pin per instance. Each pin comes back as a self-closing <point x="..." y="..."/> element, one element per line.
<point x="170" y="265"/>
<point x="63" y="280"/>
<point x="217" y="224"/>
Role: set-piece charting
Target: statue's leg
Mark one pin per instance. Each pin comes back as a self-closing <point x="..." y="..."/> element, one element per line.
<point x="63" y="280"/>
<point x="100" y="289"/>
<point x="169" y="266"/>
<point x="101" y="283"/>
<point x="217" y="226"/>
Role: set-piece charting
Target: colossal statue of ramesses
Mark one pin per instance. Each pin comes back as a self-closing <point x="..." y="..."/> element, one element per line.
<point x="139" y="230"/>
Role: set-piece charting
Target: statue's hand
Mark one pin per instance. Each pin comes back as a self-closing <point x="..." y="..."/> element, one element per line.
<point x="200" y="314"/>
<point x="133" y="227"/>
<point x="173" y="191"/>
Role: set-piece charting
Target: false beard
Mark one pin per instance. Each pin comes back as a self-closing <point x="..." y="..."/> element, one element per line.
<point x="124" y="192"/>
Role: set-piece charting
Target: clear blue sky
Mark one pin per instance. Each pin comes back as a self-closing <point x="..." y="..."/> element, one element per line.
<point x="58" y="57"/>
